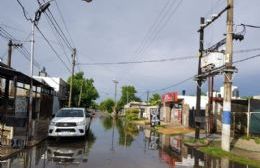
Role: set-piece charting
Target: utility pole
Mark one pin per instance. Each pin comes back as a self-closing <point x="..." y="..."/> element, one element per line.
<point x="115" y="82"/>
<point x="147" y="98"/>
<point x="72" y="74"/>
<point x="80" y="93"/>
<point x="34" y="22"/>
<point x="226" y="115"/>
<point x="211" y="123"/>
<point x="9" y="62"/>
<point x="127" y="96"/>
<point x="199" y="80"/>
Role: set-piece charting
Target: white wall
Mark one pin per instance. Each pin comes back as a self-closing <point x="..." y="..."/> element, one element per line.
<point x="191" y="101"/>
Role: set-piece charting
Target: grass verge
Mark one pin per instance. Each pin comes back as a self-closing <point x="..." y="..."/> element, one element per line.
<point x="218" y="152"/>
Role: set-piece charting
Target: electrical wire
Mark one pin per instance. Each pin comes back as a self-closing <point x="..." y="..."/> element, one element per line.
<point x="246" y="59"/>
<point x="57" y="27"/>
<point x="251" y="26"/>
<point x="247" y="50"/>
<point x="174" y="85"/>
<point x="140" y="62"/>
<point x="158" y="31"/>
<point x="59" y="41"/>
<point x="64" y="23"/>
<point x="24" y="11"/>
<point x="22" y="50"/>
<point x="52" y="48"/>
<point x="154" y="25"/>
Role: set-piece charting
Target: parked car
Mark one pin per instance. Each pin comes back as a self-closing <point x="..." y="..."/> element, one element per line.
<point x="70" y="122"/>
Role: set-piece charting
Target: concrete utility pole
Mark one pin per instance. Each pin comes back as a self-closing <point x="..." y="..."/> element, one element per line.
<point x="115" y="82"/>
<point x="34" y="22"/>
<point x="199" y="81"/>
<point x="72" y="74"/>
<point x="226" y="115"/>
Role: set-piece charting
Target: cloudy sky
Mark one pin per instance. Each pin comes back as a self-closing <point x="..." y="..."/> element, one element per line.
<point x="136" y="30"/>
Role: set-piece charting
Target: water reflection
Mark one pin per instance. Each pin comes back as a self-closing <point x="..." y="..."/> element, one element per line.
<point x="136" y="146"/>
<point x="174" y="153"/>
<point x="127" y="132"/>
<point x="65" y="152"/>
<point x="70" y="152"/>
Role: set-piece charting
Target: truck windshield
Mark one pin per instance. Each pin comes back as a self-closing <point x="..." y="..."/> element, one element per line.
<point x="69" y="113"/>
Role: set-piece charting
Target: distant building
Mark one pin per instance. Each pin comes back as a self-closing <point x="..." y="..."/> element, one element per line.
<point x="256" y="97"/>
<point x="141" y="106"/>
<point x="60" y="87"/>
<point x="235" y="92"/>
<point x="179" y="110"/>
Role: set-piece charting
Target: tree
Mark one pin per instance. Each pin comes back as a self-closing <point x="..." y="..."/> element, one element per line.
<point x="107" y="105"/>
<point x="128" y="95"/>
<point x="155" y="99"/>
<point x="89" y="92"/>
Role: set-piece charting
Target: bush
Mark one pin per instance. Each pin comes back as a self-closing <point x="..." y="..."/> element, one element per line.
<point x="132" y="114"/>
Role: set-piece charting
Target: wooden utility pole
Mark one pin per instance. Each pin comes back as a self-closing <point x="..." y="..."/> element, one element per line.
<point x="148" y="96"/>
<point x="9" y="63"/>
<point x="72" y="75"/>
<point x="80" y="93"/>
<point x="199" y="80"/>
<point x="226" y="115"/>
<point x="115" y="82"/>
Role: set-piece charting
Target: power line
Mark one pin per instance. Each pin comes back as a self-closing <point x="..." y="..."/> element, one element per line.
<point x="251" y="26"/>
<point x="24" y="11"/>
<point x="52" y="48"/>
<point x="57" y="27"/>
<point x="247" y="50"/>
<point x="246" y="59"/>
<point x="63" y="21"/>
<point x="58" y="41"/>
<point x="140" y="62"/>
<point x="174" y="85"/>
<point x="160" y="28"/>
<point x="6" y="35"/>
<point x="155" y="24"/>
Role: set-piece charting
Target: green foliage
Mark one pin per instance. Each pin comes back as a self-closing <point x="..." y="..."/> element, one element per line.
<point x="255" y="138"/>
<point x="107" y="105"/>
<point x="89" y="92"/>
<point x="155" y="99"/>
<point x="107" y="123"/>
<point x="128" y="95"/>
<point x="202" y="141"/>
<point x="218" y="152"/>
<point x="127" y="132"/>
<point x="131" y="114"/>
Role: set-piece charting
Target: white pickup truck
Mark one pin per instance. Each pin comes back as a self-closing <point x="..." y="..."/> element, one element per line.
<point x="70" y="122"/>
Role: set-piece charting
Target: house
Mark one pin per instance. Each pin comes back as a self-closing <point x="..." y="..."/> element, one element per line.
<point x="14" y="105"/>
<point x="141" y="106"/>
<point x="179" y="110"/>
<point x="60" y="87"/>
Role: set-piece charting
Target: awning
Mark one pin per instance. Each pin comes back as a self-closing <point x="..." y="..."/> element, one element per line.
<point x="9" y="73"/>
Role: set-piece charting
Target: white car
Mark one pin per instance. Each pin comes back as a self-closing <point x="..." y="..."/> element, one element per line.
<point x="70" y="122"/>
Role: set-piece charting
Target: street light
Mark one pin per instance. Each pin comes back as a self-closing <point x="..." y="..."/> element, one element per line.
<point x="34" y="22"/>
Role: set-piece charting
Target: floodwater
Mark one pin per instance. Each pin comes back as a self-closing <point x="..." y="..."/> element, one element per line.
<point x="115" y="144"/>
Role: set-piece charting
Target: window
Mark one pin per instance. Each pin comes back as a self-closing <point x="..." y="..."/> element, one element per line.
<point x="70" y="113"/>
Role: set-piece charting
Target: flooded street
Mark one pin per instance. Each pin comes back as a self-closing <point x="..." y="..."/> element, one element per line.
<point x="115" y="144"/>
